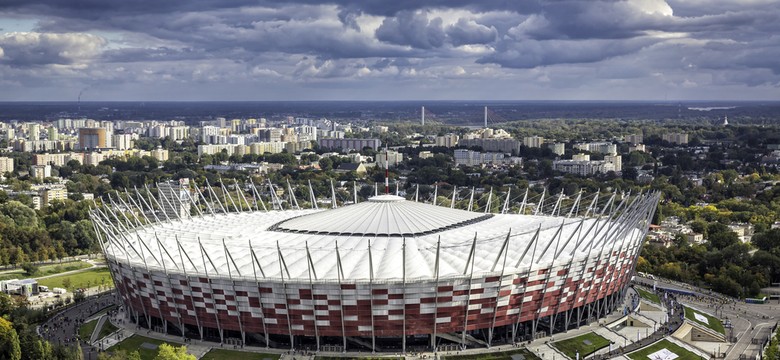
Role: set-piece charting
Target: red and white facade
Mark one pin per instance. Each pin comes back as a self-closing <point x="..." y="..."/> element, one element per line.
<point x="385" y="271"/>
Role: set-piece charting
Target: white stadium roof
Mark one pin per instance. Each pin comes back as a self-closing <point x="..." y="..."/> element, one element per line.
<point x="384" y="215"/>
<point x="382" y="234"/>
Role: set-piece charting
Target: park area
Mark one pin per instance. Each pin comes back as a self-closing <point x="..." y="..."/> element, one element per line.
<point x="146" y="347"/>
<point x="221" y="354"/>
<point x="499" y="355"/>
<point x="662" y="350"/>
<point x="705" y="320"/>
<point x="81" y="280"/>
<point x="359" y="358"/>
<point x="644" y="294"/>
<point x="44" y="270"/>
<point x="85" y="330"/>
<point x="585" y="345"/>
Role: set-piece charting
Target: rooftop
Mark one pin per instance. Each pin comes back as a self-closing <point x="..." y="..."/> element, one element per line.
<point x="383" y="215"/>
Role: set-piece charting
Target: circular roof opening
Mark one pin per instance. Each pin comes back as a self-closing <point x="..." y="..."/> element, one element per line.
<point x="382" y="215"/>
<point x="386" y="198"/>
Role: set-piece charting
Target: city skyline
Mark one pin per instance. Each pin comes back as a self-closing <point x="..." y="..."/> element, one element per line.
<point x="377" y="50"/>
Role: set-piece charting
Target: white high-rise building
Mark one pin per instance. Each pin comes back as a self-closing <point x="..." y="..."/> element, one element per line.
<point x="173" y="198"/>
<point x="6" y="165"/>
<point x="448" y="140"/>
<point x="207" y="132"/>
<point x="616" y="161"/>
<point x="33" y="131"/>
<point x="558" y="148"/>
<point x="390" y="157"/>
<point x="533" y="141"/>
<point x="40" y="171"/>
<point x="123" y="141"/>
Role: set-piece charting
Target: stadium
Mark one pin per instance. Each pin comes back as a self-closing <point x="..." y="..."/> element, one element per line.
<point x="386" y="274"/>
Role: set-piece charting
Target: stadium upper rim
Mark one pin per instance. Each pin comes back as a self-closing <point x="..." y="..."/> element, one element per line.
<point x="408" y="241"/>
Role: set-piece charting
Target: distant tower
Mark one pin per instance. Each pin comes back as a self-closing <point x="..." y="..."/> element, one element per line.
<point x="725" y="120"/>
<point x="486" y="117"/>
<point x="423" y="115"/>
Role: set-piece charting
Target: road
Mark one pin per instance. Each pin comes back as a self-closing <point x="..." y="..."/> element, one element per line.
<point x="63" y="328"/>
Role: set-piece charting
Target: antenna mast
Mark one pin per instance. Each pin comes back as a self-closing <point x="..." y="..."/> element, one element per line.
<point x="387" y="172"/>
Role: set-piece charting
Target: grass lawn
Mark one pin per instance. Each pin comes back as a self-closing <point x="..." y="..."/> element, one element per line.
<point x="217" y="354"/>
<point x="61" y="268"/>
<point x="85" y="331"/>
<point x="644" y="294"/>
<point x="586" y="344"/>
<point x="107" y="329"/>
<point x="136" y="343"/>
<point x="503" y="355"/>
<point x="46" y="270"/>
<point x="85" y="279"/>
<point x="681" y="353"/>
<point x="357" y="358"/>
<point x="712" y="322"/>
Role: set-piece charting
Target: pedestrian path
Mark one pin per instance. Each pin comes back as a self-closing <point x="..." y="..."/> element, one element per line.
<point x="96" y="331"/>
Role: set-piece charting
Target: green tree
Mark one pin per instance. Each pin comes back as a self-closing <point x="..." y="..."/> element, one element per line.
<point x="21" y="214"/>
<point x="32" y="346"/>
<point x="169" y="352"/>
<point x="29" y="269"/>
<point x="9" y="341"/>
<point x="6" y="304"/>
<point x="720" y="236"/>
<point x="767" y="240"/>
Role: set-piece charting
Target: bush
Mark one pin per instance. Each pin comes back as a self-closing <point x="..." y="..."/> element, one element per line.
<point x="29" y="269"/>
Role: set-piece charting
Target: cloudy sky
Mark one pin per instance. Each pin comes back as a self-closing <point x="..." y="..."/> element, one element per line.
<point x="389" y="50"/>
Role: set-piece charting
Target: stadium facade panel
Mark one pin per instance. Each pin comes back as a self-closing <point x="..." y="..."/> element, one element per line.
<point x="382" y="274"/>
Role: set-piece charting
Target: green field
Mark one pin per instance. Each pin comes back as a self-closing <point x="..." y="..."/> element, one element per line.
<point x="107" y="329"/>
<point x="218" y="354"/>
<point x="85" y="331"/>
<point x="644" y="294"/>
<point x="713" y="324"/>
<point x="358" y="358"/>
<point x="84" y="279"/>
<point x="135" y="342"/>
<point x="502" y="355"/>
<point x="586" y="344"/>
<point x="46" y="270"/>
<point x="681" y="353"/>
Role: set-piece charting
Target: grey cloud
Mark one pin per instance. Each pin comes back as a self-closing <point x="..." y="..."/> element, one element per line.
<point x="242" y="34"/>
<point x="470" y="32"/>
<point x="588" y="20"/>
<point x="412" y="29"/>
<point x="309" y="40"/>
<point x="95" y="9"/>
<point x="348" y="17"/>
<point x="385" y="63"/>
<point x="528" y="54"/>
<point x="151" y="54"/>
<point x="35" y="49"/>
